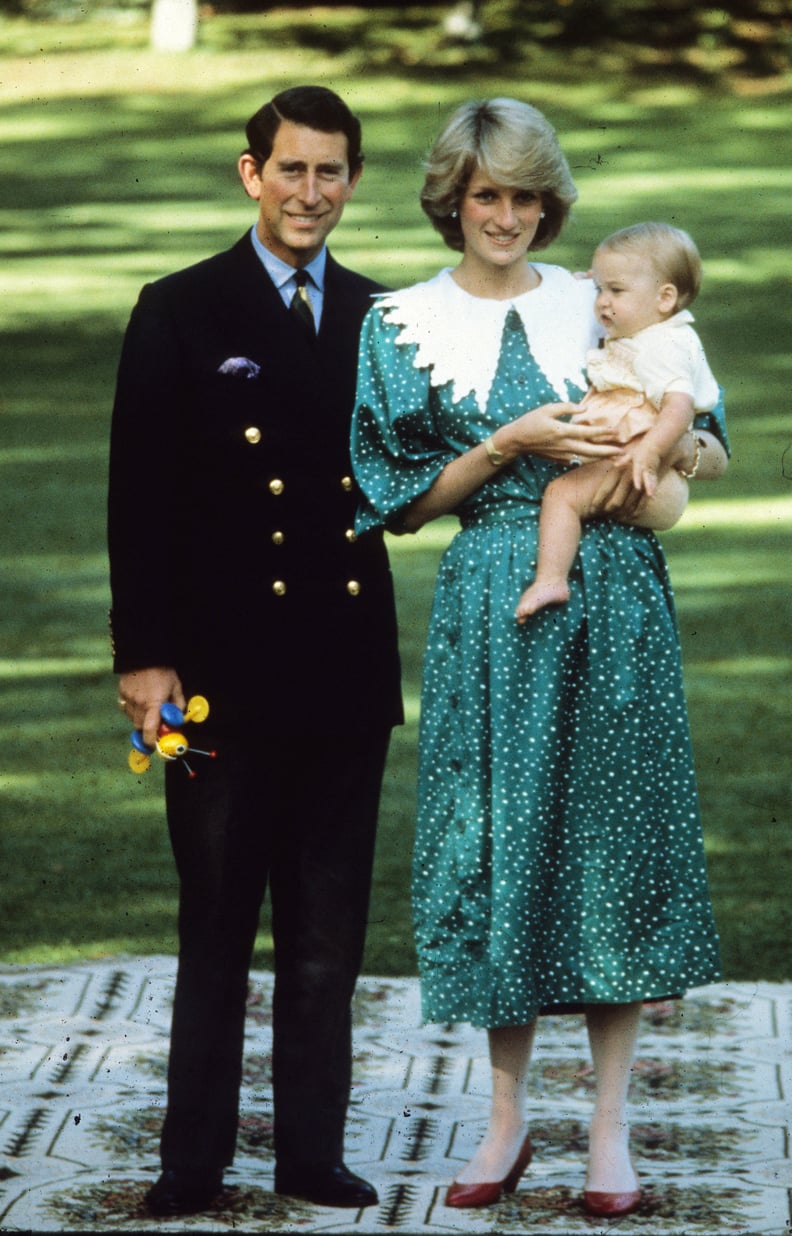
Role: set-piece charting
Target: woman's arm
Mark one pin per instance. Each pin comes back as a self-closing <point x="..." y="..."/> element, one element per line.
<point x="539" y="432"/>
<point x="701" y="454"/>
<point x="698" y="454"/>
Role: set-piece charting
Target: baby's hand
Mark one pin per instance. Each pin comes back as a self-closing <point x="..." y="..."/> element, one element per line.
<point x="646" y="470"/>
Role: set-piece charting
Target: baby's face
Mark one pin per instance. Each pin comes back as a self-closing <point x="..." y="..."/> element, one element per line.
<point x="630" y="296"/>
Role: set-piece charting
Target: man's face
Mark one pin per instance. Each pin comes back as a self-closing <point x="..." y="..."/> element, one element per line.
<point x="301" y="190"/>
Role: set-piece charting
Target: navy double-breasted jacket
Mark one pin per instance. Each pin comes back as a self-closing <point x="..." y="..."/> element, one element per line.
<point x="233" y="554"/>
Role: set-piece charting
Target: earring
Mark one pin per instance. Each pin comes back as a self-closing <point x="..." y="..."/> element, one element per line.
<point x="542" y="215"/>
<point x="454" y="214"/>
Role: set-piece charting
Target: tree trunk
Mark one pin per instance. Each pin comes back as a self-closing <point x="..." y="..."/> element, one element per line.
<point x="174" y="25"/>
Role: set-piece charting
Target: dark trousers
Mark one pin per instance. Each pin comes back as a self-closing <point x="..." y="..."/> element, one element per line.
<point x="299" y="813"/>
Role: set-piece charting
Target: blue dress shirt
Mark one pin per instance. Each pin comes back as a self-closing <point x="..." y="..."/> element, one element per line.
<point x="282" y="275"/>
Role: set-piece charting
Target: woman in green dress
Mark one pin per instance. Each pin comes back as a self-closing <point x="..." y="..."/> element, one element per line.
<point x="558" y="861"/>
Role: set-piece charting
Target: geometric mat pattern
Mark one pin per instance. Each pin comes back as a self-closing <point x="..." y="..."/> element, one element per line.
<point x="83" y="1054"/>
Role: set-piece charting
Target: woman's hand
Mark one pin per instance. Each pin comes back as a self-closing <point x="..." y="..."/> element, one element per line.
<point x="631" y="481"/>
<point x="617" y="493"/>
<point x="539" y="432"/>
<point x="633" y="478"/>
<point x="543" y="432"/>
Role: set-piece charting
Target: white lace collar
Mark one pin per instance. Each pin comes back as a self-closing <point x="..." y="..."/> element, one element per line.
<point x="458" y="336"/>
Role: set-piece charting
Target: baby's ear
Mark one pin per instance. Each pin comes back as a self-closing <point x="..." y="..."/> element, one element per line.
<point x="668" y="297"/>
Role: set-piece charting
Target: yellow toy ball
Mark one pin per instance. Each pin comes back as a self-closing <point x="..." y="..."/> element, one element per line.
<point x="172" y="746"/>
<point x="197" y="708"/>
<point x="138" y="761"/>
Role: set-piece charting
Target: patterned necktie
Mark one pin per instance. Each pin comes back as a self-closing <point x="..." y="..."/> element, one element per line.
<point x="301" y="303"/>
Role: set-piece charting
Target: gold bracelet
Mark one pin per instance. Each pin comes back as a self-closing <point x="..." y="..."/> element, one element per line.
<point x="496" y="457"/>
<point x="696" y="461"/>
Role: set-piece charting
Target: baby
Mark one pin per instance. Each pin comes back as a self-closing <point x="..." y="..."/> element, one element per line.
<point x="647" y="382"/>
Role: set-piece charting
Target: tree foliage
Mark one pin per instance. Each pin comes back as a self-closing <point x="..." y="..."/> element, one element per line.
<point x="750" y="37"/>
<point x="753" y="35"/>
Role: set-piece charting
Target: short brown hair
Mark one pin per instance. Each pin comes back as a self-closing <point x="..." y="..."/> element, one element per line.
<point x="511" y="142"/>
<point x="316" y="107"/>
<point x="671" y="252"/>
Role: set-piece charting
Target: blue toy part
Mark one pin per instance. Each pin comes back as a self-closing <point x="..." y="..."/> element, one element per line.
<point x="172" y="715"/>
<point x="136" y="738"/>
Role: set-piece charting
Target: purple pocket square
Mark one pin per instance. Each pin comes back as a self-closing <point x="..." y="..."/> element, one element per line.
<point x="240" y="367"/>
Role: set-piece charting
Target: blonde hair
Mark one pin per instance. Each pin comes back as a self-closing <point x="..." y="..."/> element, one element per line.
<point x="671" y="252"/>
<point x="513" y="144"/>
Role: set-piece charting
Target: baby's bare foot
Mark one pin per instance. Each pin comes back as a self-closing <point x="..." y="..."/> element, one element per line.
<point x="550" y="592"/>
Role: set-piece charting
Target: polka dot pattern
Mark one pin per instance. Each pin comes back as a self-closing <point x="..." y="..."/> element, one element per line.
<point x="558" y="853"/>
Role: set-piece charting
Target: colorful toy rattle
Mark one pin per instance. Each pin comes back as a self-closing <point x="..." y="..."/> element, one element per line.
<point x="171" y="743"/>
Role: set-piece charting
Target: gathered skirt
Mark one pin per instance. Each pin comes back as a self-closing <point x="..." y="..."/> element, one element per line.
<point x="559" y="858"/>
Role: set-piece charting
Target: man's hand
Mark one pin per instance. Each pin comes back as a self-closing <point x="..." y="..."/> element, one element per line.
<point x="141" y="694"/>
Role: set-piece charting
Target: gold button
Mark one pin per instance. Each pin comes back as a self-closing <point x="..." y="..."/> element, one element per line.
<point x="279" y="588"/>
<point x="353" y="587"/>
<point x="346" y="483"/>
<point x="253" y="434"/>
<point x="276" y="487"/>
<point x="351" y="535"/>
<point x="278" y="538"/>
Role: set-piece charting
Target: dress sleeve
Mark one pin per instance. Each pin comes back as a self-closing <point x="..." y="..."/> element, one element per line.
<point x="397" y="450"/>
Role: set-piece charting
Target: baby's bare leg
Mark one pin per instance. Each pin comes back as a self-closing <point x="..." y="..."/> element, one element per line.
<point x="566" y="502"/>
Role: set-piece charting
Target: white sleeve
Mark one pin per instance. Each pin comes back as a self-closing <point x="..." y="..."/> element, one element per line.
<point x="674" y="361"/>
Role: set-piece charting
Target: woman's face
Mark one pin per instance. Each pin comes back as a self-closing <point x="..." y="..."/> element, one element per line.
<point x="498" y="222"/>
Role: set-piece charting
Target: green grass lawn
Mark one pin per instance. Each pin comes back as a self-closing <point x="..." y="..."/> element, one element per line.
<point x="117" y="166"/>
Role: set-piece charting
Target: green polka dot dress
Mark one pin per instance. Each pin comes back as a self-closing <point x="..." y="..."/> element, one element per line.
<point x="558" y="853"/>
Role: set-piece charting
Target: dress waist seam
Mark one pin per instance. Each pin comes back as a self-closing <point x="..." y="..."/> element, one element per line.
<point x="523" y="512"/>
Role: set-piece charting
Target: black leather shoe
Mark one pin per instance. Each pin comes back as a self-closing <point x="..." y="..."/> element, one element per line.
<point x="184" y="1191"/>
<point x="325" y="1185"/>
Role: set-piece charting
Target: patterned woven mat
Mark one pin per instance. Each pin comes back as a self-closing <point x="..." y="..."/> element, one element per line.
<point x="83" y="1055"/>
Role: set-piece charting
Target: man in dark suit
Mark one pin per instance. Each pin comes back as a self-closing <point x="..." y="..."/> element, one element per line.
<point x="236" y="574"/>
